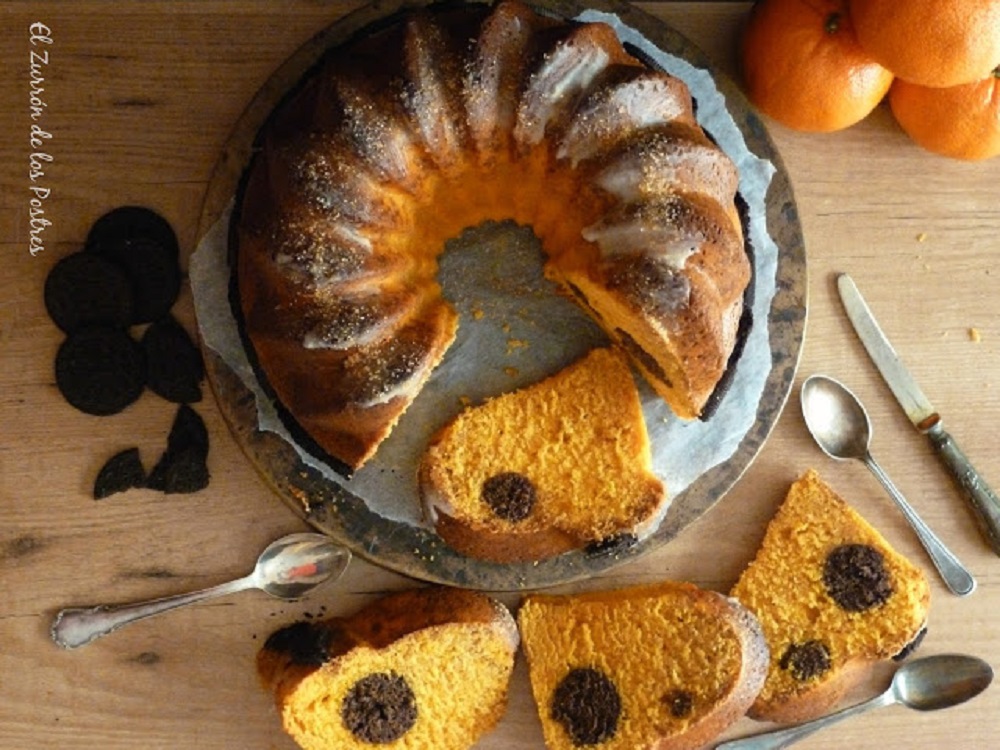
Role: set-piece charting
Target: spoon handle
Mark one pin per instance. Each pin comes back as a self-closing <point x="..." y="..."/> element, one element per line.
<point x="784" y="737"/>
<point x="958" y="580"/>
<point x="78" y="626"/>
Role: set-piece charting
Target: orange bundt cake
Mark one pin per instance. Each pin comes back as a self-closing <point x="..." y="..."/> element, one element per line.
<point x="666" y="666"/>
<point x="554" y="466"/>
<point x="449" y="118"/>
<point x="833" y="598"/>
<point x="388" y="674"/>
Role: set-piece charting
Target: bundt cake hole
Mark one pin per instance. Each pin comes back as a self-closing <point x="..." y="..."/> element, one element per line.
<point x="856" y="578"/>
<point x="587" y="704"/>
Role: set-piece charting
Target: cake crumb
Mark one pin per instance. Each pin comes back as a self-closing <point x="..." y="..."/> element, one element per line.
<point x="511" y="372"/>
<point x="477" y="313"/>
<point x="514" y="344"/>
<point x="922" y="237"/>
<point x="975" y="335"/>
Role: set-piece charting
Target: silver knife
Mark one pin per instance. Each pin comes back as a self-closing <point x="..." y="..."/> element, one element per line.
<point x="920" y="411"/>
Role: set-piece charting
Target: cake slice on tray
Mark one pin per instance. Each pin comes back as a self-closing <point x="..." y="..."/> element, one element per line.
<point x="558" y="465"/>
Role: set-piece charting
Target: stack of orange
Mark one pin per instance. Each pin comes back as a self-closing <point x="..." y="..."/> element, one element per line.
<point x="823" y="65"/>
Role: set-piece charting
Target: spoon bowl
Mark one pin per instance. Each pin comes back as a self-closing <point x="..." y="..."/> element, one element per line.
<point x="288" y="568"/>
<point x="840" y="426"/>
<point x="926" y="684"/>
<point x="292" y="566"/>
<point x="835" y="418"/>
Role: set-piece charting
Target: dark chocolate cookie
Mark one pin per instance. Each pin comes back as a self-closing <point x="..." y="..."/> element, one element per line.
<point x="123" y="471"/>
<point x="183" y="467"/>
<point x="84" y="289"/>
<point x="144" y="246"/>
<point x="175" y="366"/>
<point x="100" y="370"/>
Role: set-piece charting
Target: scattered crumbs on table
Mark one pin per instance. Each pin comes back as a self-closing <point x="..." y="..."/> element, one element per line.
<point x="974" y="335"/>
<point x="922" y="237"/>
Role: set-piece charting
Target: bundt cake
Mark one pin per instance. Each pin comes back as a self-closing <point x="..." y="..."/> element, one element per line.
<point x="555" y="466"/>
<point x="388" y="674"/>
<point x="666" y="666"/>
<point x="833" y="598"/>
<point x="449" y="118"/>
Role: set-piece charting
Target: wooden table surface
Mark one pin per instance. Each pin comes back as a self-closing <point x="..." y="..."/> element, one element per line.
<point x="138" y="99"/>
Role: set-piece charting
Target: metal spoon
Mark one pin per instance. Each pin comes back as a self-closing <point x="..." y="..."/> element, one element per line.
<point x="288" y="568"/>
<point x="840" y="425"/>
<point x="925" y="684"/>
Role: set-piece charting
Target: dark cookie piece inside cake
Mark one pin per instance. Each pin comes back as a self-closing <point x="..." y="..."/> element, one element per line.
<point x="510" y="495"/>
<point x="587" y="704"/>
<point x="307" y="644"/>
<point x="681" y="703"/>
<point x="380" y="708"/>
<point x="855" y="577"/>
<point x="806" y="660"/>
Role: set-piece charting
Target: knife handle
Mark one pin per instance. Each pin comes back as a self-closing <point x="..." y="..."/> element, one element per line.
<point x="983" y="500"/>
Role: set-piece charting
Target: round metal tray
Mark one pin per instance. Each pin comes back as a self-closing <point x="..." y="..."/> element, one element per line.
<point x="417" y="551"/>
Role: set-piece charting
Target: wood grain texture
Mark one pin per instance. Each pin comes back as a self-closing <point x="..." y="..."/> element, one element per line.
<point x="139" y="98"/>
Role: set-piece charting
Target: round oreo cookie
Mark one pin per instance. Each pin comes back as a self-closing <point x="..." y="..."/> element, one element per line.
<point x="132" y="223"/>
<point x="144" y="246"/>
<point x="84" y="289"/>
<point x="100" y="370"/>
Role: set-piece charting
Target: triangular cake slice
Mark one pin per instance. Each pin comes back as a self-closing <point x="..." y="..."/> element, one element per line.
<point x="555" y="466"/>
<point x="833" y="597"/>
<point x="666" y="666"/>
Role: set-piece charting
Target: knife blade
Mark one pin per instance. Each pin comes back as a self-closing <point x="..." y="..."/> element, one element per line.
<point x="920" y="411"/>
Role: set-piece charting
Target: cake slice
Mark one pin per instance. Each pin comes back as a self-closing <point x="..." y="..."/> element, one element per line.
<point x="388" y="674"/>
<point x="833" y="598"/>
<point x="666" y="666"/>
<point x="555" y="466"/>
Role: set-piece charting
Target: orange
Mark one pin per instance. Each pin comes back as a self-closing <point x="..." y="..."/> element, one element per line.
<point x="931" y="42"/>
<point x="960" y="121"/>
<point x="802" y="65"/>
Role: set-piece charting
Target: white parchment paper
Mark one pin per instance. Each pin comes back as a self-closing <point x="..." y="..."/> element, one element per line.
<point x="515" y="329"/>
